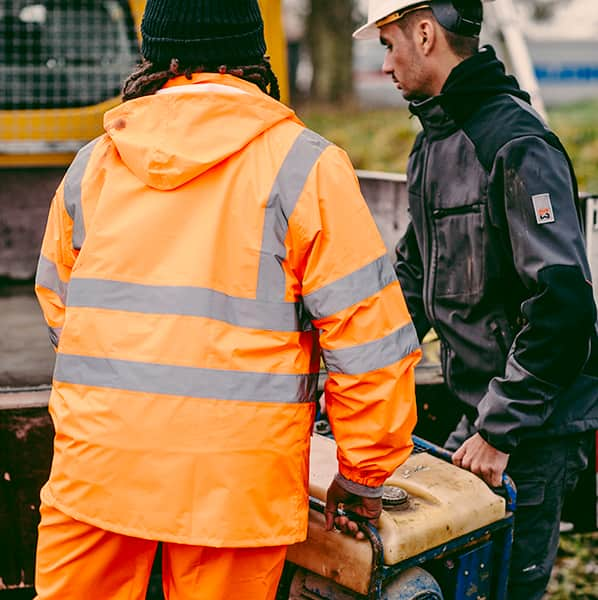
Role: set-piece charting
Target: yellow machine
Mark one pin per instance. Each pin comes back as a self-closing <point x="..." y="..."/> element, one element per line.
<point x="443" y="535"/>
<point x="62" y="63"/>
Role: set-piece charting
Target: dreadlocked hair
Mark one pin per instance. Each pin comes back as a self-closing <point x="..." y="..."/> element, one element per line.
<point x="148" y="78"/>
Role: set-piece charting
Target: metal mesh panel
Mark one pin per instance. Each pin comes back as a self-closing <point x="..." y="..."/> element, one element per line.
<point x="61" y="54"/>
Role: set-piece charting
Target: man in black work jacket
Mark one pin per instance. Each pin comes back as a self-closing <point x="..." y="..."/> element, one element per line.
<point x="494" y="261"/>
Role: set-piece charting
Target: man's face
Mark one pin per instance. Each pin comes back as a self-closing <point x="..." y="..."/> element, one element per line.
<point x="403" y="62"/>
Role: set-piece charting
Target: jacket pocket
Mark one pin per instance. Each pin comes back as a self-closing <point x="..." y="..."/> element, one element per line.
<point x="531" y="493"/>
<point x="460" y="252"/>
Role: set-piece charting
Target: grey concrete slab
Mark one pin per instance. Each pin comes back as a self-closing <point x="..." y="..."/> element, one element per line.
<point x="26" y="355"/>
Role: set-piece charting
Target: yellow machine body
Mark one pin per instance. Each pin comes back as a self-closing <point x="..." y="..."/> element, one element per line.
<point x="445" y="502"/>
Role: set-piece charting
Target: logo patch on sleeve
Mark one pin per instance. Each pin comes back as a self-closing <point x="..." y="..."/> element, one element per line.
<point x="543" y="208"/>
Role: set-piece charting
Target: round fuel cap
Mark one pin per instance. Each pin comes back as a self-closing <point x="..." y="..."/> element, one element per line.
<point x="394" y="497"/>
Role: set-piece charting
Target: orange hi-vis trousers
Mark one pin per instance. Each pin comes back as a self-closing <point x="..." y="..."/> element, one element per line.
<point x="77" y="561"/>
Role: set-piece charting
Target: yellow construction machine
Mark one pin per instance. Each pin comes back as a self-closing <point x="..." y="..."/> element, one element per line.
<point x="62" y="63"/>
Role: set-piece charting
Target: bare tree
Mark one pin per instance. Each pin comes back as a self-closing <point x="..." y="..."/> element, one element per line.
<point x="329" y="27"/>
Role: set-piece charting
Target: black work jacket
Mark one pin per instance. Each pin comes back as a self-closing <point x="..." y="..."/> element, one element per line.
<point x="494" y="259"/>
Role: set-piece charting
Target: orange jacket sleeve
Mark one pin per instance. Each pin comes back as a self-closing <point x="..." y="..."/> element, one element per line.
<point x="368" y="341"/>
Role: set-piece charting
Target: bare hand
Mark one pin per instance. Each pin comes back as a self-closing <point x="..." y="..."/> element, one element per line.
<point x="368" y="508"/>
<point x="479" y="457"/>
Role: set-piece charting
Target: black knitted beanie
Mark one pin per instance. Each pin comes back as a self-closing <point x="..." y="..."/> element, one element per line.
<point x="203" y="32"/>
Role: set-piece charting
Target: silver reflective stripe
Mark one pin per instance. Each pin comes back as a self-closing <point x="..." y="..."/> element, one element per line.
<point x="54" y="333"/>
<point x="72" y="192"/>
<point x="349" y="290"/>
<point x="191" y="382"/>
<point x="285" y="193"/>
<point x="373" y="355"/>
<point x="188" y="301"/>
<point x="47" y="277"/>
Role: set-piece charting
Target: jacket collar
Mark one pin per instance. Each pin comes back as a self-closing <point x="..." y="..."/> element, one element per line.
<point x="470" y="84"/>
<point x="435" y="120"/>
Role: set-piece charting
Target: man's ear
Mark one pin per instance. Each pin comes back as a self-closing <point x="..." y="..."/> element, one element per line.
<point x="426" y="36"/>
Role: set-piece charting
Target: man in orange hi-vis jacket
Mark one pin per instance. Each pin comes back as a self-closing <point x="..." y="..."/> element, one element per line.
<point x="199" y="258"/>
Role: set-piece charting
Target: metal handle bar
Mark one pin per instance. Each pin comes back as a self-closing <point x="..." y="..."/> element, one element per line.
<point x="372" y="535"/>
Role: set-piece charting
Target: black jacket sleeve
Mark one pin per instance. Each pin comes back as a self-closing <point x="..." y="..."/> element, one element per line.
<point x="532" y="185"/>
<point x="410" y="273"/>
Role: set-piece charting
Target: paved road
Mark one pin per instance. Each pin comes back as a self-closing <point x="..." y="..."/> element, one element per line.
<point x="26" y="357"/>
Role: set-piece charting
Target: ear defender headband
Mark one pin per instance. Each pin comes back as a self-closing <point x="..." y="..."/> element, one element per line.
<point x="450" y="18"/>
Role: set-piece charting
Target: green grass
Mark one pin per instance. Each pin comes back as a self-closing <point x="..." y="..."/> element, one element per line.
<point x="575" y="575"/>
<point x="380" y="140"/>
<point x="377" y="140"/>
<point x="577" y="126"/>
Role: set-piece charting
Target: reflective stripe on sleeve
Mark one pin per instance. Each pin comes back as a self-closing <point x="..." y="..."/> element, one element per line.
<point x="72" y="192"/>
<point x="184" y="300"/>
<point x="47" y="277"/>
<point x="352" y="288"/>
<point x="191" y="382"/>
<point x="373" y="355"/>
<point x="287" y="188"/>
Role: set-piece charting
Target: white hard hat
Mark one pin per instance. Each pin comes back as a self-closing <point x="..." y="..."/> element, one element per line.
<point x="377" y="10"/>
<point x="444" y="10"/>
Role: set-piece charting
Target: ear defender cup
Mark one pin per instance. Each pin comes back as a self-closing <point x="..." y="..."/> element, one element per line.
<point x="463" y="17"/>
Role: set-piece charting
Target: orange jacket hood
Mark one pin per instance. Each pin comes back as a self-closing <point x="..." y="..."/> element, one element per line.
<point x="171" y="137"/>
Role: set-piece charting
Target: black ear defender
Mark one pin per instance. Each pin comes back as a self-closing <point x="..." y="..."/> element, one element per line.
<point x="463" y="17"/>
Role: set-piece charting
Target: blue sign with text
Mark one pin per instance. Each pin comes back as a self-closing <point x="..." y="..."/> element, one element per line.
<point x="567" y="73"/>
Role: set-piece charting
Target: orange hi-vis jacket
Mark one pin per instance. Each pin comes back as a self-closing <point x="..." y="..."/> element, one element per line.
<point x="197" y="258"/>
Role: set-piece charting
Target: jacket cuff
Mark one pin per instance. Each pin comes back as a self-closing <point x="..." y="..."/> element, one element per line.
<point x="365" y="491"/>
<point x="500" y="443"/>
